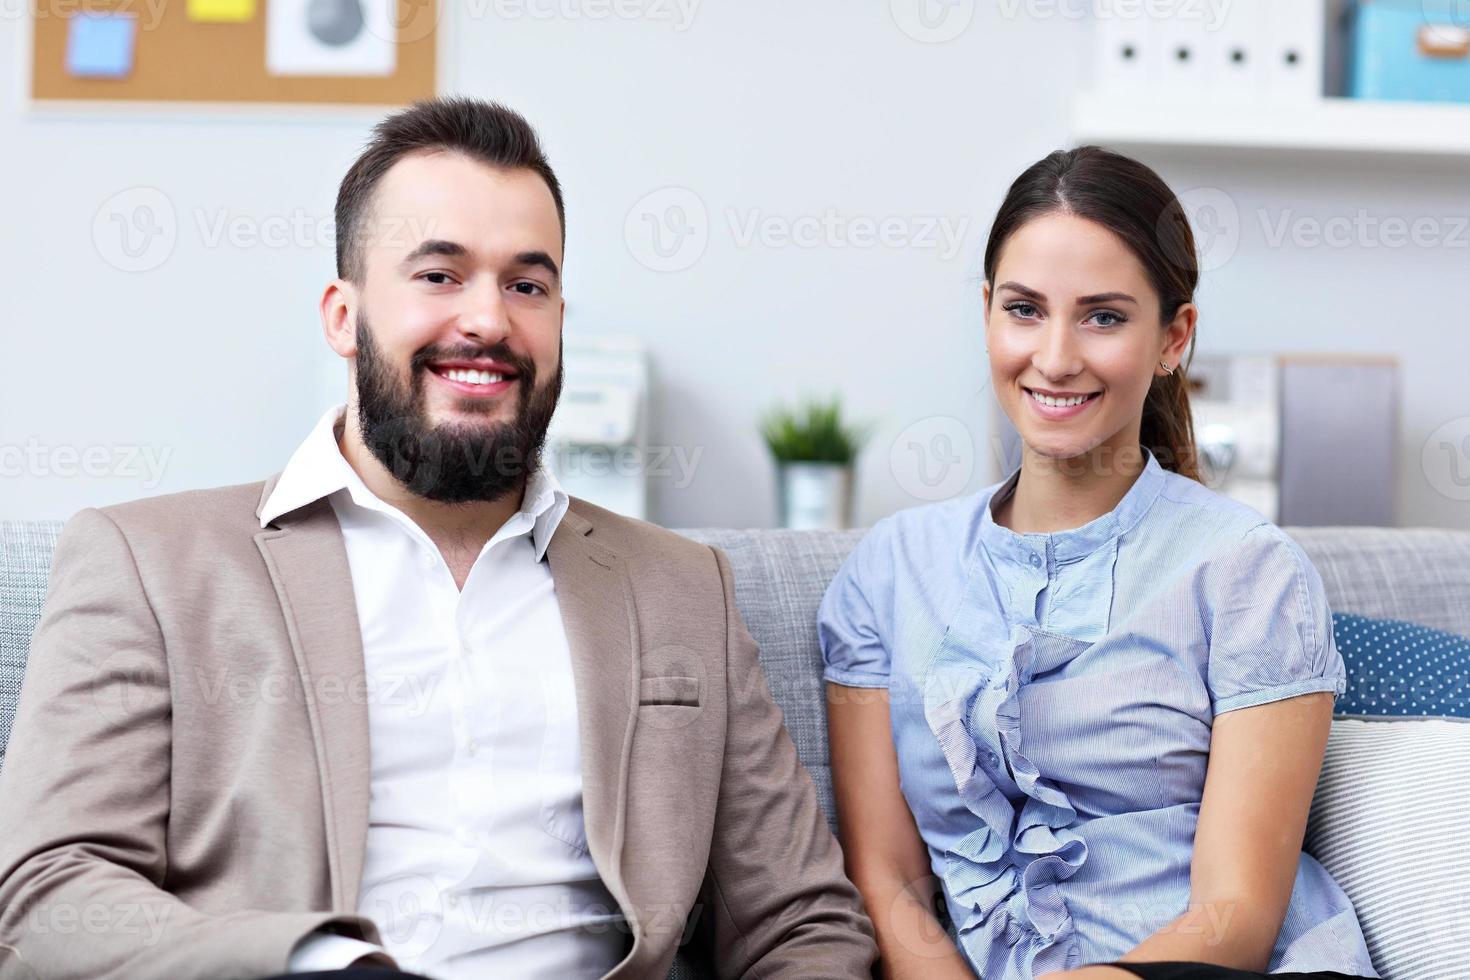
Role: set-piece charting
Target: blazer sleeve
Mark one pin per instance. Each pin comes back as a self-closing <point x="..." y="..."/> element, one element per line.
<point x="779" y="902"/>
<point x="85" y="791"/>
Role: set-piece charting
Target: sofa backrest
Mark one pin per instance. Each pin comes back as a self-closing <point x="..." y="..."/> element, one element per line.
<point x="1418" y="575"/>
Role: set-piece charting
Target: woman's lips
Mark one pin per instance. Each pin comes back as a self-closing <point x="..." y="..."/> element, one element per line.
<point x="1059" y="413"/>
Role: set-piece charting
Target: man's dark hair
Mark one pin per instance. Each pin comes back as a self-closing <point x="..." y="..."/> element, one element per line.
<point x="483" y="131"/>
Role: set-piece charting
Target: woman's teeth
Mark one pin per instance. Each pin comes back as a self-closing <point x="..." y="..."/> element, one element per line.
<point x="474" y="377"/>
<point x="1059" y="402"/>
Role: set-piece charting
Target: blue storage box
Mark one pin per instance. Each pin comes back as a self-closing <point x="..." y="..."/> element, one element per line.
<point x="1415" y="50"/>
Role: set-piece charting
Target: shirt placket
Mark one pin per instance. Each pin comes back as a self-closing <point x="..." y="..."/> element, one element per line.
<point x="1032" y="582"/>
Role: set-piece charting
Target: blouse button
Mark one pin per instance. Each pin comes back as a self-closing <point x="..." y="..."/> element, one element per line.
<point x="993" y="759"/>
<point x="1035" y="561"/>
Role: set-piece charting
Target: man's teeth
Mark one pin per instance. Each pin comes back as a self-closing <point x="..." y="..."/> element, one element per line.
<point x="473" y="377"/>
<point x="1059" y="402"/>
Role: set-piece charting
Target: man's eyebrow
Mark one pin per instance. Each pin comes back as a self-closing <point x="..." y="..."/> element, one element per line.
<point x="435" y="246"/>
<point x="542" y="259"/>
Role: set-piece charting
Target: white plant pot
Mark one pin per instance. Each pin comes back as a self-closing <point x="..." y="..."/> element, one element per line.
<point x="814" y="496"/>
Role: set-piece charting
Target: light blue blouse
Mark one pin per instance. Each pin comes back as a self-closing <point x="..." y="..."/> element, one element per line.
<point x="1052" y="698"/>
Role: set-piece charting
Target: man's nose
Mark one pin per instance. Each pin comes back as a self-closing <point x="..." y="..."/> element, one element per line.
<point x="484" y="318"/>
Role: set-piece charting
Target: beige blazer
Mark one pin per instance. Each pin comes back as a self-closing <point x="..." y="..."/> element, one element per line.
<point x="185" y="792"/>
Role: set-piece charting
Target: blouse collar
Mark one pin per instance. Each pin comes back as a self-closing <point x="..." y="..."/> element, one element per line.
<point x="1066" y="546"/>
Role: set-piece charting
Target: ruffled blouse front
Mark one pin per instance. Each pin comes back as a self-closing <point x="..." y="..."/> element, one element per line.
<point x="1005" y="873"/>
<point x="1052" y="698"/>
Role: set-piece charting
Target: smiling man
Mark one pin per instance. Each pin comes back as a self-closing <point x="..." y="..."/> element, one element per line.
<point x="407" y="704"/>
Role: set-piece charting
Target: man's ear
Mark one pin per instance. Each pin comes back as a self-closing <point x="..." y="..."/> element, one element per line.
<point x="339" y="317"/>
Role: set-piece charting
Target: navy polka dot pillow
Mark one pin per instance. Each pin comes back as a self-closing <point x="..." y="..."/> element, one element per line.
<point x="1398" y="669"/>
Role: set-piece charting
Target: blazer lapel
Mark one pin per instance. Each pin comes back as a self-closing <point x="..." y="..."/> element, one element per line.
<point x="307" y="561"/>
<point x="597" y="613"/>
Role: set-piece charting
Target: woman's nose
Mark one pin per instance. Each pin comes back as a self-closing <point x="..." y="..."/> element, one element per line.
<point x="1057" y="355"/>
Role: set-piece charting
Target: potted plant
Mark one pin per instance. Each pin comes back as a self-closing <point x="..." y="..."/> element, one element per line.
<point x="815" y="451"/>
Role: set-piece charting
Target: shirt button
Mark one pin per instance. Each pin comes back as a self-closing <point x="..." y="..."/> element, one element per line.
<point x="472" y="746"/>
<point x="993" y="759"/>
<point x="1035" y="561"/>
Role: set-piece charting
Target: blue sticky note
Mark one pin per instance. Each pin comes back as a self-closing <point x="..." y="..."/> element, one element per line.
<point x="100" y="45"/>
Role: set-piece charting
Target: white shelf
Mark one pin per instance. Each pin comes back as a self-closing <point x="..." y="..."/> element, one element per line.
<point x="1334" y="125"/>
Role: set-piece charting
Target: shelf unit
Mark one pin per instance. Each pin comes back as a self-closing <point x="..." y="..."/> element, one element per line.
<point x="1330" y="124"/>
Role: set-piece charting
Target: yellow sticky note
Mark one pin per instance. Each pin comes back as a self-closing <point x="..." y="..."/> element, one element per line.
<point x="227" y="11"/>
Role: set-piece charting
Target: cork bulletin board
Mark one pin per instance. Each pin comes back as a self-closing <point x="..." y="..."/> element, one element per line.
<point x="178" y="56"/>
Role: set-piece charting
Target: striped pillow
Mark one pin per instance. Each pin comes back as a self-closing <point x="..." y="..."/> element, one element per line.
<point x="1388" y="823"/>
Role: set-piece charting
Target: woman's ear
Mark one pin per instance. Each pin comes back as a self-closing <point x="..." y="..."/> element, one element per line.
<point x="1178" y="335"/>
<point x="985" y="311"/>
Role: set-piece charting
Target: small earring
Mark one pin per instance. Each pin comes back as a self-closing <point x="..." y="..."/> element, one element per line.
<point x="1167" y="369"/>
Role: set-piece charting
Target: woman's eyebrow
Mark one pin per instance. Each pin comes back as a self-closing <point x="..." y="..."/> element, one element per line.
<point x="1026" y="291"/>
<point x="1106" y="298"/>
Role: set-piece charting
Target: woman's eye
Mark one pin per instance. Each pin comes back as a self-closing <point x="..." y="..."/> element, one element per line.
<point x="1107" y="318"/>
<point x="1025" y="311"/>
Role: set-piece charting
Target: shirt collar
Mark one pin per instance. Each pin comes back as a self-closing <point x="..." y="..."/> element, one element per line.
<point x="1070" y="545"/>
<point x="318" y="469"/>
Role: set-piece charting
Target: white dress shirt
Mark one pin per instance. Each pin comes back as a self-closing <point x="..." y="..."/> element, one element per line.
<point x="476" y="862"/>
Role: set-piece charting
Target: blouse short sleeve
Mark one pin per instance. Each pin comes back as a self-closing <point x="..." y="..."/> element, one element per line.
<point x="848" y="627"/>
<point x="1267" y="624"/>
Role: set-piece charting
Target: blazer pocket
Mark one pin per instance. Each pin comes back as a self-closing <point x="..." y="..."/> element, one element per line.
<point x="669" y="690"/>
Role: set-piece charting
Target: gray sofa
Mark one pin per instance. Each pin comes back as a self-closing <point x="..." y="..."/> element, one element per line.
<point x="1417" y="575"/>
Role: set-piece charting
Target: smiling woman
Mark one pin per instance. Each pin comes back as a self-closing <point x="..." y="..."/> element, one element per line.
<point x="1087" y="707"/>
<point x="1106" y="280"/>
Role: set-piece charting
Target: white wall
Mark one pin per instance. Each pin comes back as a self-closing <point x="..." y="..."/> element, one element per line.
<point x="754" y="110"/>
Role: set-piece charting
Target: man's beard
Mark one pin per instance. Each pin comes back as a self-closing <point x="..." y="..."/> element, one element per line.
<point x="451" y="462"/>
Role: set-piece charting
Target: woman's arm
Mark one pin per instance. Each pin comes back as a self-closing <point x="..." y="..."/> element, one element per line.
<point x="885" y="856"/>
<point x="1263" y="769"/>
<point x="1264" y="764"/>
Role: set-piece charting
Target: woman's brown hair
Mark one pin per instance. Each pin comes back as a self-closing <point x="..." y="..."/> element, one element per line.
<point x="1134" y="203"/>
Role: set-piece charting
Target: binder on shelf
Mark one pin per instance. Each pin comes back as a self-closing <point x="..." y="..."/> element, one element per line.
<point x="1126" y="53"/>
<point x="1296" y="58"/>
<point x="1237" y="52"/>
<point x="1185" y="47"/>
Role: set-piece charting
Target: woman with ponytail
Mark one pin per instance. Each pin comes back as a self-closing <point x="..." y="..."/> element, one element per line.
<point x="1080" y="716"/>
